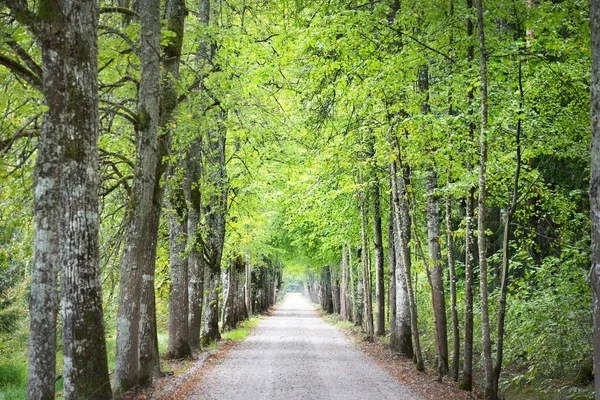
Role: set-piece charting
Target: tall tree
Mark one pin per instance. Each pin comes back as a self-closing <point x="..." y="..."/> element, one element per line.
<point x="433" y="235"/>
<point x="402" y="223"/>
<point x="466" y="382"/>
<point x="481" y="207"/>
<point x="366" y="272"/>
<point x="66" y="203"/>
<point x="139" y="233"/>
<point x="214" y="210"/>
<point x="379" y="259"/>
<point x="178" y="346"/>
<point x="193" y="174"/>
<point x="595" y="182"/>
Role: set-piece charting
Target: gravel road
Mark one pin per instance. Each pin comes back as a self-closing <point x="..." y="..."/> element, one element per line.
<point x="294" y="354"/>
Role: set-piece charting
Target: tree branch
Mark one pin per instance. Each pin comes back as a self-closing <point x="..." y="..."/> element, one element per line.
<point x="23" y="55"/>
<point x="123" y="36"/>
<point x="22" y="71"/>
<point x="5" y="145"/>
<point x="21" y="13"/>
<point x="120" y="10"/>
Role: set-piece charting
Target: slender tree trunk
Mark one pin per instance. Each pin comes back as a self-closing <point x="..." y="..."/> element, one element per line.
<point x="215" y="238"/>
<point x="449" y="232"/>
<point x="193" y="175"/>
<point x="335" y="290"/>
<point x="379" y="276"/>
<point x="452" y="272"/>
<point x="392" y="270"/>
<point x="401" y="338"/>
<point x="344" y="286"/>
<point x="366" y="274"/>
<point x="505" y="246"/>
<point x="352" y="291"/>
<point x="248" y="286"/>
<point x="595" y="183"/>
<point x="150" y="103"/>
<point x="483" y="273"/>
<point x="403" y="225"/>
<point x="433" y="234"/>
<point x="178" y="345"/>
<point x="466" y="382"/>
<point x="139" y="231"/>
<point x="360" y="300"/>
<point x="194" y="246"/>
<point x="148" y="345"/>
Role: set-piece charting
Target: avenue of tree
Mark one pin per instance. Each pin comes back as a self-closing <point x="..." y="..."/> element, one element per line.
<point x="422" y="169"/>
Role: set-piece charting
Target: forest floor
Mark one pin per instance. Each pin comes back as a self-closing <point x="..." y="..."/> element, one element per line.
<point x="294" y="354"/>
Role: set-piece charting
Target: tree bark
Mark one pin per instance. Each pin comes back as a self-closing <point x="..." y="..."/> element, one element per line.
<point x="466" y="382"/>
<point x="178" y="345"/>
<point x="437" y="283"/>
<point x="505" y="246"/>
<point x="452" y="273"/>
<point x="360" y="299"/>
<point x="66" y="205"/>
<point x="403" y="226"/>
<point x="215" y="237"/>
<point x="139" y="226"/>
<point x="595" y="183"/>
<point x="401" y="338"/>
<point x="344" y="286"/>
<point x="366" y="273"/>
<point x="392" y="269"/>
<point x="379" y="276"/>
<point x="481" y="239"/>
<point x="433" y="234"/>
<point x="248" y="284"/>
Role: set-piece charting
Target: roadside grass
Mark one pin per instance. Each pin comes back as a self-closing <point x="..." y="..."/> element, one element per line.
<point x="243" y="329"/>
<point x="13" y="380"/>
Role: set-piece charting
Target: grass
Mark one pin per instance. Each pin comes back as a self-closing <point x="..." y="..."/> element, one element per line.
<point x="243" y="329"/>
<point x="13" y="380"/>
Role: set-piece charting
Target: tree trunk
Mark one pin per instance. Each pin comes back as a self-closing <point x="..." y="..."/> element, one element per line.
<point x="248" y="284"/>
<point x="139" y="221"/>
<point x="335" y="290"/>
<point x="215" y="236"/>
<point x="400" y="341"/>
<point x="433" y="234"/>
<point x="352" y="290"/>
<point x="366" y="273"/>
<point x="360" y="299"/>
<point x="452" y="272"/>
<point x="403" y="225"/>
<point x="193" y="196"/>
<point x="150" y="103"/>
<point x="392" y="270"/>
<point x="43" y="305"/>
<point x="466" y="382"/>
<point x="194" y="246"/>
<point x="481" y="240"/>
<point x="595" y="183"/>
<point x="379" y="276"/>
<point x="437" y="283"/>
<point x="505" y="246"/>
<point x="178" y="345"/>
<point x="344" y="286"/>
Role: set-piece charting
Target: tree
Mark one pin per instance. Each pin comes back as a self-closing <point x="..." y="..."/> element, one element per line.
<point x="133" y="348"/>
<point x="595" y="182"/>
<point x="481" y="207"/>
<point x="66" y="204"/>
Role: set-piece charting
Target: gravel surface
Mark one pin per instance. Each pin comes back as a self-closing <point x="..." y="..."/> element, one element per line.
<point x="294" y="354"/>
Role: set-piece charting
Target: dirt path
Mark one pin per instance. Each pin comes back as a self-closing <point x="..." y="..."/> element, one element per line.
<point x="294" y="354"/>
